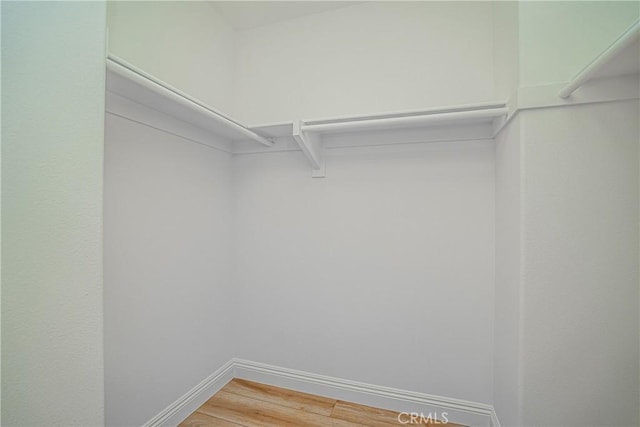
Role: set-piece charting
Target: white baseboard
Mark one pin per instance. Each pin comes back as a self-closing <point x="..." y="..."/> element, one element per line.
<point x="175" y="413"/>
<point x="457" y="411"/>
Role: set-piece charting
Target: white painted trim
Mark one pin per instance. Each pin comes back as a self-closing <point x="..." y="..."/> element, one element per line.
<point x="290" y="137"/>
<point x="176" y="412"/>
<point x="460" y="411"/>
<point x="310" y="146"/>
<point x="630" y="36"/>
<point x="125" y="108"/>
<point x="609" y="89"/>
<point x="495" y="422"/>
<point x="596" y="91"/>
<point x="146" y="82"/>
<point x="407" y="113"/>
<point x="381" y="138"/>
<point x="406" y="121"/>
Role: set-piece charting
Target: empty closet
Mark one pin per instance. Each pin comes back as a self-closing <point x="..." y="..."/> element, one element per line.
<point x="420" y="206"/>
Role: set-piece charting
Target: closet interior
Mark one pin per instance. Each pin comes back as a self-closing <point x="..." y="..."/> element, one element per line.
<point x="426" y="206"/>
<point x="400" y="244"/>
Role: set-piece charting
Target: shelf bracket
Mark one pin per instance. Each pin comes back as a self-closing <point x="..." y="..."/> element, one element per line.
<point x="310" y="145"/>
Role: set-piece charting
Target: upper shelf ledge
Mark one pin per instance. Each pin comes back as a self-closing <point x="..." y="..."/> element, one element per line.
<point x="480" y="113"/>
<point x="620" y="58"/>
<point x="405" y="119"/>
<point x="130" y="82"/>
<point x="311" y="135"/>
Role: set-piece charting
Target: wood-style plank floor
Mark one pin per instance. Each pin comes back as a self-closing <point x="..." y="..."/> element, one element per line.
<point x="243" y="403"/>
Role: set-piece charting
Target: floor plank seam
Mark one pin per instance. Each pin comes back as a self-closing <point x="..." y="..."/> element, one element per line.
<point x="333" y="408"/>
<point x="266" y="401"/>
<point x="219" y="419"/>
<point x="283" y="406"/>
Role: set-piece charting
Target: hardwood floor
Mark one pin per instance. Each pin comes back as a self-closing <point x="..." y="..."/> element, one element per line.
<point x="244" y="403"/>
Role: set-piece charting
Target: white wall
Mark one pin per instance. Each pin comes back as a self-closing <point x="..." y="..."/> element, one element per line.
<point x="566" y="311"/>
<point x="174" y="310"/>
<point x="506" y="49"/>
<point x="167" y="224"/>
<point x="167" y="268"/>
<point x="508" y="268"/>
<point x="559" y="352"/>
<point x="558" y="38"/>
<point x="52" y="153"/>
<point x="580" y="319"/>
<point x="381" y="272"/>
<point x="0" y="222"/>
<point x="184" y="43"/>
<point x="373" y="57"/>
<point x="326" y="273"/>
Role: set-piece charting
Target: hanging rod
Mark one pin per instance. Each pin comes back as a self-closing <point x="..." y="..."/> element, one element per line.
<point x="132" y="73"/>
<point x="630" y="36"/>
<point x="406" y="113"/>
<point x="436" y="116"/>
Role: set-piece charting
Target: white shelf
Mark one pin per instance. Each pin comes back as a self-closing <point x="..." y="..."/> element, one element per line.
<point x="312" y="136"/>
<point x="477" y="113"/>
<point x="128" y="86"/>
<point x="127" y="81"/>
<point x="621" y="58"/>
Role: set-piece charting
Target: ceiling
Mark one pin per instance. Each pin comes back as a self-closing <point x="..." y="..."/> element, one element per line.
<point x="243" y="15"/>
